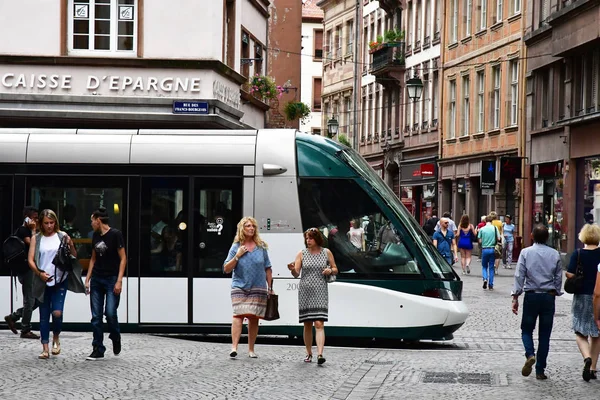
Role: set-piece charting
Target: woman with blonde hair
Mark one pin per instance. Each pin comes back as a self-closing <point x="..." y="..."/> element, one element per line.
<point x="51" y="287"/>
<point x="587" y="335"/>
<point x="251" y="283"/>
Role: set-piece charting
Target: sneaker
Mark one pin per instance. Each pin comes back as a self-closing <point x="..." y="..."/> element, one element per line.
<point x="593" y="373"/>
<point x="587" y="373"/>
<point x="95" y="356"/>
<point x="320" y="359"/>
<point x="485" y="284"/>
<point x="29" y="335"/>
<point x="468" y="270"/>
<point x="491" y="287"/>
<point x="11" y="324"/>
<point x="117" y="347"/>
<point x="526" y="371"/>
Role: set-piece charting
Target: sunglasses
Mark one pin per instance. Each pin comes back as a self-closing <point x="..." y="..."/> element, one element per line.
<point x="311" y="230"/>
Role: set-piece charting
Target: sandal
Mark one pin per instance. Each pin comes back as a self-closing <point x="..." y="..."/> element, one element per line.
<point x="308" y="358"/>
<point x="44" y="355"/>
<point x="233" y="353"/>
<point x="320" y="359"/>
<point x="252" y="355"/>
<point x="55" y="348"/>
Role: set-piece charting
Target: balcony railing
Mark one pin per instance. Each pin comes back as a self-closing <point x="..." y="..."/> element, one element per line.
<point x="388" y="56"/>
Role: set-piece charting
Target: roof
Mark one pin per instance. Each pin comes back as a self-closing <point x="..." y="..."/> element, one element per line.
<point x="311" y="10"/>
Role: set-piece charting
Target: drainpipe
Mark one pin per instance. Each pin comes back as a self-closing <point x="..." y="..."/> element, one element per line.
<point x="521" y="143"/>
<point x="357" y="74"/>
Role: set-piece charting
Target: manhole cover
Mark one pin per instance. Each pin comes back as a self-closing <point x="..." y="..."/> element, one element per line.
<point x="451" y="377"/>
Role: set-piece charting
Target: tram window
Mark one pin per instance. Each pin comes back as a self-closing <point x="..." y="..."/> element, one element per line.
<point x="74" y="206"/>
<point x="164" y="229"/>
<point x="356" y="230"/>
<point x="217" y="223"/>
<point x="6" y="229"/>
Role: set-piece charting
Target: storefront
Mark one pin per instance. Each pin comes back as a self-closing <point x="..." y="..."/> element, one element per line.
<point x="418" y="191"/>
<point x="548" y="189"/>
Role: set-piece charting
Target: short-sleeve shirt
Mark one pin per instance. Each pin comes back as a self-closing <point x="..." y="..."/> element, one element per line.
<point x="107" y="248"/>
<point x="356" y="237"/>
<point x="488" y="235"/>
<point x="498" y="224"/>
<point x="23" y="232"/>
<point x="509" y="231"/>
<point x="444" y="243"/>
<point x="589" y="259"/>
<point x="250" y="271"/>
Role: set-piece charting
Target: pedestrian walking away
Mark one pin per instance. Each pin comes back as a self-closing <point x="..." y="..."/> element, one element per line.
<point x="498" y="224"/>
<point x="52" y="281"/>
<point x="539" y="276"/>
<point x="25" y="232"/>
<point x="251" y="283"/>
<point x="509" y="230"/>
<point x="316" y="264"/>
<point x="104" y="282"/>
<point x="488" y="236"/>
<point x="466" y="233"/>
<point x="584" y="326"/>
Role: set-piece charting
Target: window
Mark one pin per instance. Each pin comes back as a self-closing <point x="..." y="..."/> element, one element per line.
<point x="480" y="101"/>
<point x="427" y="29"/>
<point x="73" y="204"/>
<point x="468" y="17"/>
<point x="258" y="54"/>
<point x="350" y="35"/>
<point x="109" y="26"/>
<point x="385" y="249"/>
<point x="499" y="6"/>
<point x="318" y="46"/>
<point x="245" y="68"/>
<point x="426" y="101"/>
<point x="483" y="15"/>
<point x="545" y="97"/>
<point x="338" y="41"/>
<point x="454" y="24"/>
<point x="329" y="48"/>
<point x="434" y="98"/>
<point x="438" y="24"/>
<point x="418" y="18"/>
<point x="516" y="6"/>
<point x="544" y="11"/>
<point x="452" y="120"/>
<point x="347" y="125"/>
<point x="316" y="131"/>
<point x="496" y="96"/>
<point x="409" y="24"/>
<point x="466" y="111"/>
<point x="514" y="91"/>
<point x="316" y="105"/>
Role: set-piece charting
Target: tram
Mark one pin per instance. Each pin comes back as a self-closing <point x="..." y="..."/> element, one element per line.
<point x="177" y="196"/>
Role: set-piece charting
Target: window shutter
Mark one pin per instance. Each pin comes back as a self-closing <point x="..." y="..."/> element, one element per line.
<point x="318" y="44"/>
<point x="317" y="94"/>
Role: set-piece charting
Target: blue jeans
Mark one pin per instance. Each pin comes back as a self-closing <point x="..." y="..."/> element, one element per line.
<point x="537" y="305"/>
<point x="101" y="288"/>
<point x="54" y="302"/>
<point x="487" y="265"/>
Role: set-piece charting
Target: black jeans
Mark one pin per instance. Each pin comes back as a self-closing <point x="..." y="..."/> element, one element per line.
<point x="29" y="302"/>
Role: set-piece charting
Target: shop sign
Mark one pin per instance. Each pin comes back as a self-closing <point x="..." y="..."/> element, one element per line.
<point x="428" y="169"/>
<point x="460" y="186"/>
<point x="416" y="172"/>
<point x="488" y="175"/>
<point x="547" y="170"/>
<point x="510" y="167"/>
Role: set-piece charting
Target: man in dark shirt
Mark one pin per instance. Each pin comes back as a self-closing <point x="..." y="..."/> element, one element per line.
<point x="24" y="232"/>
<point x="104" y="281"/>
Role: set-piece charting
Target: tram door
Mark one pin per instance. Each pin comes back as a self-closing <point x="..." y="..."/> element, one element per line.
<point x="6" y="228"/>
<point x="164" y="270"/>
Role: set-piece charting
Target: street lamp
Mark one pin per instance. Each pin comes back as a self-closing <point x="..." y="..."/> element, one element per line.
<point x="415" y="88"/>
<point x="332" y="127"/>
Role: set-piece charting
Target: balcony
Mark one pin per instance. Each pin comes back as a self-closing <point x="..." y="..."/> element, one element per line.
<point x="389" y="6"/>
<point x="388" y="64"/>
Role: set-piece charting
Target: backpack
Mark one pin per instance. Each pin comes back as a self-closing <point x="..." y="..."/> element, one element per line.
<point x="429" y="226"/>
<point x="15" y="255"/>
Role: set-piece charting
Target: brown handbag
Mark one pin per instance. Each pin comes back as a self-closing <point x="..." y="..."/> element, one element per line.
<point x="272" y="312"/>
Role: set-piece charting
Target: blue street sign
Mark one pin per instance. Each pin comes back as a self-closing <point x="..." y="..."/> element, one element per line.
<point x="190" y="107"/>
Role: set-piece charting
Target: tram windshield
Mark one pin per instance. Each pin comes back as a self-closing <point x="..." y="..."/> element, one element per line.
<point x="437" y="264"/>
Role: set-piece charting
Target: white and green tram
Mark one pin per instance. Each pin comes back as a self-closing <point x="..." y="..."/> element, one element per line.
<point x="177" y="195"/>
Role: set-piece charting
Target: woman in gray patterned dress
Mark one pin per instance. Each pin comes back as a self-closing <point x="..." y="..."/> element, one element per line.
<point x="316" y="263"/>
<point x="587" y="335"/>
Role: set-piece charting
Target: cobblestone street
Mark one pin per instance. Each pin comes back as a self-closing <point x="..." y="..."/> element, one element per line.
<point x="483" y="362"/>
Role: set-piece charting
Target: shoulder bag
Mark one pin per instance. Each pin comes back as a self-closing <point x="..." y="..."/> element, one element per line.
<point x="62" y="259"/>
<point x="498" y="246"/>
<point x="272" y="312"/>
<point x="574" y="284"/>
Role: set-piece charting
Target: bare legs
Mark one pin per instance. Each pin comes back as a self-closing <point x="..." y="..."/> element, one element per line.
<point x="320" y="329"/>
<point x="463" y="260"/>
<point x="308" y="337"/>
<point x="467" y="257"/>
<point x="589" y="348"/>
<point x="252" y="333"/>
<point x="236" y="332"/>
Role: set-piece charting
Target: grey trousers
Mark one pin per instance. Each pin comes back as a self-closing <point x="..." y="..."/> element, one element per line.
<point x="29" y="302"/>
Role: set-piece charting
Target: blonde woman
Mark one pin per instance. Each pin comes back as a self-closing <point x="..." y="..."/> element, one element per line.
<point x="251" y="283"/>
<point x="50" y="289"/>
<point x="587" y="335"/>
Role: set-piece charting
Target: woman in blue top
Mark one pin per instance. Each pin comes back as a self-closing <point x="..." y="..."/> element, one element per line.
<point x="508" y="229"/>
<point x="584" y="324"/>
<point x="445" y="242"/>
<point x="466" y="233"/>
<point x="249" y="261"/>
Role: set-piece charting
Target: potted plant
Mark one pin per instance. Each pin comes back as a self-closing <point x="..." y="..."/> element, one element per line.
<point x="264" y="87"/>
<point x="296" y="109"/>
<point x="394" y="37"/>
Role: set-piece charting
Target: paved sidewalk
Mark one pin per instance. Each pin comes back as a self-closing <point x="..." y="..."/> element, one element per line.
<point x="483" y="362"/>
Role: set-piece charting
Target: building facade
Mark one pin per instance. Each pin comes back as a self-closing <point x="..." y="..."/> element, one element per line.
<point x="312" y="65"/>
<point x="563" y="118"/>
<point x="479" y="167"/>
<point x="131" y="64"/>
<point x="418" y="163"/>
<point x="339" y="17"/>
